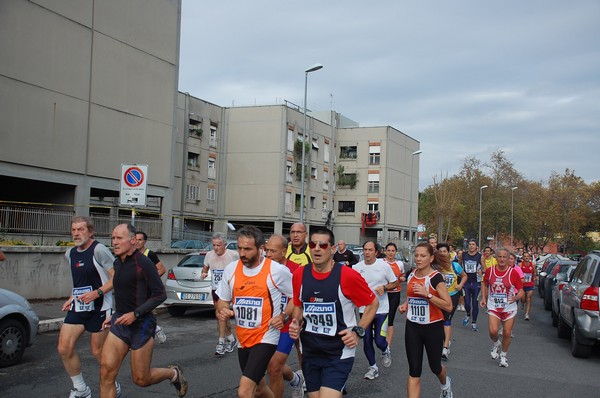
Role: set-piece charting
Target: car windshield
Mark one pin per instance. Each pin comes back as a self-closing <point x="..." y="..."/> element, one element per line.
<point x="193" y="260"/>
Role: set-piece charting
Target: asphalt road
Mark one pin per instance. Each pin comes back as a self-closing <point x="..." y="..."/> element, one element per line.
<point x="540" y="365"/>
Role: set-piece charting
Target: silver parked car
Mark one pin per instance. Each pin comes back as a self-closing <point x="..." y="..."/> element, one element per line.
<point x="185" y="286"/>
<point x="18" y="327"/>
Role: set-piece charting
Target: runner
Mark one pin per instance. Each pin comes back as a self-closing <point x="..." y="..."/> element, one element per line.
<point x="254" y="285"/>
<point x="216" y="260"/>
<point x="326" y="295"/>
<point x="379" y="276"/>
<point x="426" y="298"/>
<point x="394" y="295"/>
<point x="472" y="267"/>
<point x="530" y="274"/>
<point x="451" y="271"/>
<point x="498" y="295"/>
<point x="298" y="250"/>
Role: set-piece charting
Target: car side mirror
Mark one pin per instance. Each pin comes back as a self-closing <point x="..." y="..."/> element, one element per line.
<point x="543" y="274"/>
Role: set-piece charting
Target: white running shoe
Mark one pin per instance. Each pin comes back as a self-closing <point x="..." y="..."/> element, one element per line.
<point x="494" y="352"/>
<point x="159" y="335"/>
<point x="445" y="353"/>
<point x="230" y="345"/>
<point x="87" y="393"/>
<point x="298" y="391"/>
<point x="447" y="393"/>
<point x="503" y="362"/>
<point x="474" y="327"/>
<point x="386" y="358"/>
<point x="372" y="373"/>
<point x="220" y="350"/>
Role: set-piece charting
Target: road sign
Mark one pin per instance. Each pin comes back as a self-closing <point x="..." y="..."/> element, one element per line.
<point x="133" y="184"/>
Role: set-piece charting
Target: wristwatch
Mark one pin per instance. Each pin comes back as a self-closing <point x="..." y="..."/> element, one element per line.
<point x="137" y="315"/>
<point x="429" y="296"/>
<point x="286" y="317"/>
<point x="360" y="332"/>
<point x="100" y="292"/>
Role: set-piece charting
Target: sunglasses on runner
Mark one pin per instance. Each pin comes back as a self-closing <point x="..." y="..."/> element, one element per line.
<point x="322" y="245"/>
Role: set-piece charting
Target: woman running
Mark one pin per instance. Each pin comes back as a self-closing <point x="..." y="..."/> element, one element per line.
<point x="426" y="298"/>
<point x="529" y="273"/>
<point x="394" y="294"/>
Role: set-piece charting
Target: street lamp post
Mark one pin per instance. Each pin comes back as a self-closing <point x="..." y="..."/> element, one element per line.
<point x="512" y="213"/>
<point x="480" y="197"/>
<point x="313" y="68"/>
<point x="412" y="238"/>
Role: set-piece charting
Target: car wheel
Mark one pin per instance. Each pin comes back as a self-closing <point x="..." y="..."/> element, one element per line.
<point x="563" y="329"/>
<point x="577" y="349"/>
<point x="554" y="319"/>
<point x="547" y="304"/>
<point x="176" y="310"/>
<point x="12" y="342"/>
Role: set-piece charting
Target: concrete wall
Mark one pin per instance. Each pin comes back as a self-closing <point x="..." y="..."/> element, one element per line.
<point x="43" y="272"/>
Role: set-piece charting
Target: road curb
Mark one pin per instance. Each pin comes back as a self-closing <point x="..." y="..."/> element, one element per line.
<point x="52" y="325"/>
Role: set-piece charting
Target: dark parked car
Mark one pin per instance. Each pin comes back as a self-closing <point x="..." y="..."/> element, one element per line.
<point x="18" y="327"/>
<point x="548" y="264"/>
<point x="189" y="244"/>
<point x="579" y="313"/>
<point x="550" y="281"/>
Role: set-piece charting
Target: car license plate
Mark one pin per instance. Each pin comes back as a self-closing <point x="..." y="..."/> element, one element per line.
<point x="193" y="296"/>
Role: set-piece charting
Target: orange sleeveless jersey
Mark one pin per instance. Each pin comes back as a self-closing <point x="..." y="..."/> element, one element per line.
<point x="421" y="310"/>
<point x="252" y="304"/>
<point x="398" y="272"/>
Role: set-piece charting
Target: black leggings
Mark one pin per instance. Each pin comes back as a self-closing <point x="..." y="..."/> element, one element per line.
<point x="394" y="300"/>
<point x="431" y="337"/>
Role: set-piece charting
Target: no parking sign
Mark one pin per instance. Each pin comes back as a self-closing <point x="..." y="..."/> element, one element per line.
<point x="133" y="184"/>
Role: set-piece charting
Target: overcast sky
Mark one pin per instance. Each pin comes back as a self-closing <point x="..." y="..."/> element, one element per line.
<point x="464" y="78"/>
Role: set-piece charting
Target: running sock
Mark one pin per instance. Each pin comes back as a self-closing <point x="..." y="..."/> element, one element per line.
<point x="502" y="354"/>
<point x="174" y="378"/>
<point x="447" y="385"/>
<point x="231" y="337"/>
<point x="374" y="367"/>
<point x="78" y="382"/>
<point x="221" y="339"/>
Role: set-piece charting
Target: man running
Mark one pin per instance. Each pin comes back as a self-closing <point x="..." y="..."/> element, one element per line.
<point x="498" y="295"/>
<point x="472" y="267"/>
<point x="326" y="295"/>
<point x="345" y="256"/>
<point x="216" y="260"/>
<point x="138" y="291"/>
<point x="529" y="273"/>
<point x="298" y="250"/>
<point x="255" y="286"/>
<point x="91" y="301"/>
<point x="278" y="370"/>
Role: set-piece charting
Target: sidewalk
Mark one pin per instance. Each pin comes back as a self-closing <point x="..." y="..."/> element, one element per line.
<point x="51" y="316"/>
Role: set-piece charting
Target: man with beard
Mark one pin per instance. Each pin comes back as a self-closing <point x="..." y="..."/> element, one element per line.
<point x="255" y="286"/>
<point x="91" y="300"/>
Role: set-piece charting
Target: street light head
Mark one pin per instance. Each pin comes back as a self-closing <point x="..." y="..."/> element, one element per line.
<point x="313" y="68"/>
<point x="483" y="187"/>
<point x="417" y="152"/>
<point x="513" y="188"/>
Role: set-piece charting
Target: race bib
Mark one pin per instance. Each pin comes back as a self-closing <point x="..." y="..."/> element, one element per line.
<point x="248" y="312"/>
<point x="80" y="306"/>
<point x="528" y="277"/>
<point x="470" y="266"/>
<point x="449" y="280"/>
<point x="320" y="318"/>
<point x="284" y="301"/>
<point x="499" y="300"/>
<point x="217" y="275"/>
<point x="418" y="310"/>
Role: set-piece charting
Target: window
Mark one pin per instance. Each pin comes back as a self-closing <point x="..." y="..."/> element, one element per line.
<point x="346" y="206"/>
<point x="315" y="143"/>
<point x="312" y="202"/>
<point x="313" y="173"/>
<point x="212" y="168"/>
<point x="288" y="203"/>
<point x="289" y="171"/>
<point x="348" y="152"/>
<point x="290" y="139"/>
<point x="193" y="192"/>
<point x="297" y="202"/>
<point x="326" y="184"/>
<point x="211" y="194"/>
<point x="213" y="135"/>
<point x="193" y="160"/>
<point x="374" y="154"/>
<point x="195" y="126"/>
<point x="372" y="207"/>
<point x="373" y="184"/>
<point x="326" y="152"/>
